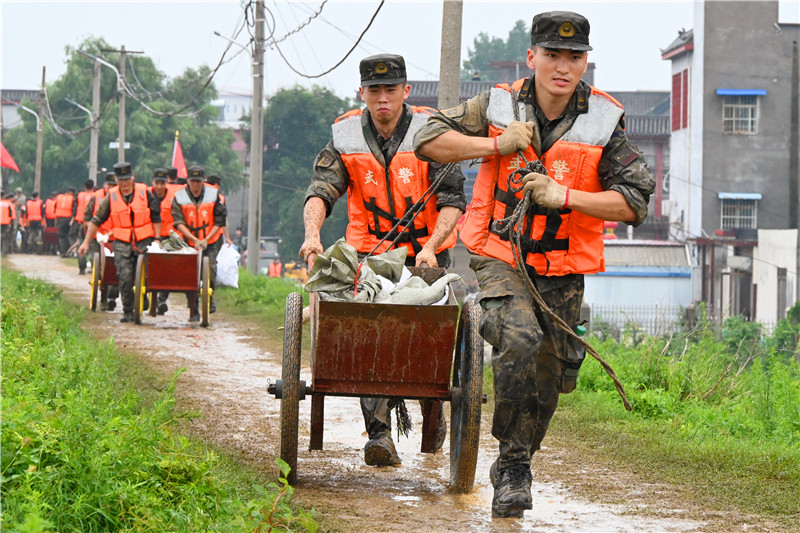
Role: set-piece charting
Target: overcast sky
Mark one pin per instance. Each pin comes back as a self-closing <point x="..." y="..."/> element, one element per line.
<point x="627" y="37"/>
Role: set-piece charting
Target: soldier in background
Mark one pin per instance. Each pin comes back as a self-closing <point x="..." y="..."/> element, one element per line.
<point x="34" y="210"/>
<point x="77" y="231"/>
<point x="66" y="207"/>
<point x="199" y="216"/>
<point x="135" y="216"/>
<point x="108" y="297"/>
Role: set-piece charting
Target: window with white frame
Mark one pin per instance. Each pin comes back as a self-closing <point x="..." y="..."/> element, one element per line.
<point x="740" y="114"/>
<point x="738" y="213"/>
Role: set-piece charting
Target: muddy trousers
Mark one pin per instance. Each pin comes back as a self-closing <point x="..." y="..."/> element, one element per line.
<point x="64" y="227"/>
<point x="109" y="292"/>
<point x="211" y="252"/>
<point x="527" y="348"/>
<point x="7" y="238"/>
<point x="34" y="236"/>
<point x="125" y="257"/>
<point x="76" y="233"/>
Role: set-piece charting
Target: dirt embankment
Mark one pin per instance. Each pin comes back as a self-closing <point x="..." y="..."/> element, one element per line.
<point x="228" y="366"/>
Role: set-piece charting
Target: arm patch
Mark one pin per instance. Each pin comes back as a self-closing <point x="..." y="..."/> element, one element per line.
<point x="625" y="155"/>
<point x="325" y="160"/>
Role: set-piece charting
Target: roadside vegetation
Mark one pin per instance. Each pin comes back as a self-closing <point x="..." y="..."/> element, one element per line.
<point x="715" y="413"/>
<point x="83" y="450"/>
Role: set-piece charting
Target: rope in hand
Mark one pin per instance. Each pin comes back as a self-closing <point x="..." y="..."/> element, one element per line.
<point x="408" y="217"/>
<point x="513" y="226"/>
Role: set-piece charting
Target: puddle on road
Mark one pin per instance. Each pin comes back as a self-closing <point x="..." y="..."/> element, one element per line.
<point x="226" y="378"/>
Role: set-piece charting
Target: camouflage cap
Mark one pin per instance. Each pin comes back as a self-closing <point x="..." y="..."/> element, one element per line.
<point x="160" y="174"/>
<point x="382" y="69"/>
<point x="195" y="173"/>
<point x="123" y="171"/>
<point x="172" y="172"/>
<point x="560" y="30"/>
<point x="110" y="177"/>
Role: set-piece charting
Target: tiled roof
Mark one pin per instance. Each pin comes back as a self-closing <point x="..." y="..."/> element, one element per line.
<point x="18" y="95"/>
<point x="645" y="253"/>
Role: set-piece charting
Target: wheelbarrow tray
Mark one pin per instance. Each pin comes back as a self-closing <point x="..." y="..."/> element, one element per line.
<point x="50" y="235"/>
<point x="368" y="349"/>
<point x="173" y="271"/>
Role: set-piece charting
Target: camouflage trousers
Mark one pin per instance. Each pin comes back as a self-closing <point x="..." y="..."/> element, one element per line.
<point x="529" y="352"/>
<point x="76" y="234"/>
<point x="377" y="416"/>
<point x="64" y="229"/>
<point x="7" y="239"/>
<point x="125" y="257"/>
<point x="34" y="237"/>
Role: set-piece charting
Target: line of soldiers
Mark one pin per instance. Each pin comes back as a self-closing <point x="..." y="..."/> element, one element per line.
<point x="133" y="216"/>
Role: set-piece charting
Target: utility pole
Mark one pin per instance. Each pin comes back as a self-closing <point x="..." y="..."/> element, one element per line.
<point x="122" y="105"/>
<point x="256" y="145"/>
<point x="37" y="176"/>
<point x="95" y="136"/>
<point x="450" y="62"/>
<point x="122" y="97"/>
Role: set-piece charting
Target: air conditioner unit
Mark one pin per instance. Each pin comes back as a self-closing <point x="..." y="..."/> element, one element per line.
<point x="741" y="263"/>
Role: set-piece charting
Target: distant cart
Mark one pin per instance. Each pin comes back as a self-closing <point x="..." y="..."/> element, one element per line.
<point x="174" y="272"/>
<point x="104" y="274"/>
<point x="428" y="352"/>
<point x="50" y="235"/>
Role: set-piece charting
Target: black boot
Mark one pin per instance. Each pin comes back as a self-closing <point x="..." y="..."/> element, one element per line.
<point x="512" y="490"/>
<point x="127" y="316"/>
<point x="380" y="451"/>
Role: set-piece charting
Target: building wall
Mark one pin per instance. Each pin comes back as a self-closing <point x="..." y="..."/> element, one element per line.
<point x="776" y="248"/>
<point x="740" y="163"/>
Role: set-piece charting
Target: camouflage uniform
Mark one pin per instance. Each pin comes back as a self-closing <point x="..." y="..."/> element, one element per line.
<point x="533" y="360"/>
<point x="331" y="181"/>
<point x="125" y="253"/>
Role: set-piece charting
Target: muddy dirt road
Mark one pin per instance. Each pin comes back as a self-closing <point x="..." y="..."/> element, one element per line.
<point x="228" y="366"/>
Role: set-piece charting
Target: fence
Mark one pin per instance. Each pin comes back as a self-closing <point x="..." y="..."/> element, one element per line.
<point x="655" y="320"/>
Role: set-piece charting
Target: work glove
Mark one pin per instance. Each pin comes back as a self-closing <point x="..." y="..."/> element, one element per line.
<point x="517" y="136"/>
<point x="546" y="192"/>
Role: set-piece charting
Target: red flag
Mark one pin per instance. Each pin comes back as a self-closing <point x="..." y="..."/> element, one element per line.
<point x="177" y="158"/>
<point x="7" y="161"/>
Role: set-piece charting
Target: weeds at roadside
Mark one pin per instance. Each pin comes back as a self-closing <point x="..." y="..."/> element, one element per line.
<point x="81" y="451"/>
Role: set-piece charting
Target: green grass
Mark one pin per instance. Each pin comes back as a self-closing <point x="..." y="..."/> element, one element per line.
<point x="720" y="422"/>
<point x="82" y="450"/>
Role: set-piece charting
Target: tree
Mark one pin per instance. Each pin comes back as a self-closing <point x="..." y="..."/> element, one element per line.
<point x="152" y="116"/>
<point x="488" y="49"/>
<point x="297" y="125"/>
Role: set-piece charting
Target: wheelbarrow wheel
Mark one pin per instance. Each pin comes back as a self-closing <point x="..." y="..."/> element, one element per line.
<point x="465" y="407"/>
<point x="139" y="290"/>
<point x="290" y="377"/>
<point x="205" y="292"/>
<point x="94" y="281"/>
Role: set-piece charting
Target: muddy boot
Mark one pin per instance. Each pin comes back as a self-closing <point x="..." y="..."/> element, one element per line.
<point x="380" y="451"/>
<point x="162" y="308"/>
<point x="111" y="305"/>
<point x="103" y="305"/>
<point x="127" y="316"/>
<point x="512" y="490"/>
<point x="441" y="432"/>
<point x="191" y="301"/>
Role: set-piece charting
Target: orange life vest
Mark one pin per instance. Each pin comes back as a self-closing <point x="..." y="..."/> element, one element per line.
<point x="556" y="241"/>
<point x="7" y="212"/>
<point x="64" y="205"/>
<point x="167" y="222"/>
<point x="34" y="210"/>
<point x="133" y="218"/>
<point x="106" y="227"/>
<point x="275" y="269"/>
<point x="378" y="197"/>
<point x="199" y="217"/>
<point x="50" y="208"/>
<point x="83" y="200"/>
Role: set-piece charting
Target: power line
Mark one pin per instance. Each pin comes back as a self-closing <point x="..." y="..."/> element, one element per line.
<point x="342" y="60"/>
